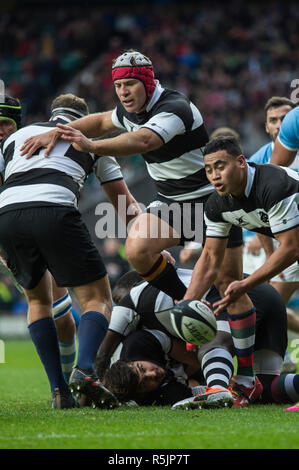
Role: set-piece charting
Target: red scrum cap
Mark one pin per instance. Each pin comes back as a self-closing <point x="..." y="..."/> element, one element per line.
<point x="133" y="64"/>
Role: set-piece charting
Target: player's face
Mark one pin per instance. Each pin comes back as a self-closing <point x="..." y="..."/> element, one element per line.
<point x="131" y="94"/>
<point x="274" y="119"/>
<point x="150" y="375"/>
<point x="7" y="127"/>
<point x="226" y="173"/>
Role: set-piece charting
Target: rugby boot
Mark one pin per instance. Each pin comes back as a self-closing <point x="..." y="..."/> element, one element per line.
<point x="208" y="398"/>
<point x="87" y="390"/>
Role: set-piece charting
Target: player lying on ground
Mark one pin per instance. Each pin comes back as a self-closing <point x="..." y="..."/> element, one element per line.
<point x="140" y="306"/>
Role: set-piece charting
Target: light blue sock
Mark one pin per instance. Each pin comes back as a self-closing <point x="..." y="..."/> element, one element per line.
<point x="67" y="356"/>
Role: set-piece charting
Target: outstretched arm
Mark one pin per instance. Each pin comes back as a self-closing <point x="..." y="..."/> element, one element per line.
<point x="123" y="145"/>
<point x="285" y="255"/>
<point x="281" y="155"/>
<point x="206" y="268"/>
<point x="107" y="348"/>
<point x="92" y="126"/>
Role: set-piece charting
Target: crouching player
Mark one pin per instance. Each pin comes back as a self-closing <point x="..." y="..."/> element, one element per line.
<point x="141" y="306"/>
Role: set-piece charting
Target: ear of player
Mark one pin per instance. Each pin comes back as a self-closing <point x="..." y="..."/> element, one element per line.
<point x="194" y="321"/>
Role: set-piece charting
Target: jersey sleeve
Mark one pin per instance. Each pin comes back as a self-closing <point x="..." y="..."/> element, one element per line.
<point x="166" y="125"/>
<point x="2" y="163"/>
<point x="123" y="320"/>
<point x="163" y="339"/>
<point x="263" y="155"/>
<point x="289" y="130"/>
<point x="107" y="169"/>
<point x="217" y="227"/>
<point x="174" y="116"/>
<point x="284" y="215"/>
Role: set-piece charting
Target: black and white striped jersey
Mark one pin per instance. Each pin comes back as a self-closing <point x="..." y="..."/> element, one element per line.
<point x="177" y="166"/>
<point x="270" y="204"/>
<point x="57" y="179"/>
<point x="148" y="307"/>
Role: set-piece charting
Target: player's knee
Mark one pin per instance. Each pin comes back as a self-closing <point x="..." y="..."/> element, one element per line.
<point x="222" y="340"/>
<point x="103" y="305"/>
<point x="136" y="249"/>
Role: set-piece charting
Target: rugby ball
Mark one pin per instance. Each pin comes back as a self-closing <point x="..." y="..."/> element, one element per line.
<point x="193" y="321"/>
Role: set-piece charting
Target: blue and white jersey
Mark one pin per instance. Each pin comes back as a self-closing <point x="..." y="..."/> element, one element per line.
<point x="263" y="155"/>
<point x="289" y="130"/>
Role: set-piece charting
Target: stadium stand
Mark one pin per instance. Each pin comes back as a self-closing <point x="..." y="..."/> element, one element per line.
<point x="227" y="60"/>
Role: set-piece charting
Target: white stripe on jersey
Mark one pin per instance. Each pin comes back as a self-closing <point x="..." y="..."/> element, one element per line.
<point x="185" y="165"/>
<point x="50" y="193"/>
<point x="193" y="195"/>
<point x="136" y="291"/>
<point x="180" y="163"/>
<point x="281" y="217"/>
<point x="56" y="161"/>
<point x="107" y="169"/>
<point x="163" y="302"/>
<point x="197" y="117"/>
<point x="124" y="320"/>
<point x="163" y="339"/>
<point x="167" y="125"/>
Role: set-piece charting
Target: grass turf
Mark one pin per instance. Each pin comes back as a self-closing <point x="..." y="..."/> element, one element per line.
<point x="28" y="422"/>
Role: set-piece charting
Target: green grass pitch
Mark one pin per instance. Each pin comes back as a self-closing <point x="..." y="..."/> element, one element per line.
<point x="28" y="422"/>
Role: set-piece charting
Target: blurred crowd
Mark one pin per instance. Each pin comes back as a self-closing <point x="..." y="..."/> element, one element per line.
<point x="229" y="59"/>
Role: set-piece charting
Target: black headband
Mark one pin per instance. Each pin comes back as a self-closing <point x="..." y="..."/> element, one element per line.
<point x="11" y="112"/>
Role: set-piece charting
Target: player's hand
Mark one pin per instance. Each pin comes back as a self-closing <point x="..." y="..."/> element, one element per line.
<point x="32" y="145"/>
<point x="169" y="257"/>
<point x="254" y="247"/>
<point x="78" y="140"/>
<point x="187" y="255"/>
<point x="232" y="293"/>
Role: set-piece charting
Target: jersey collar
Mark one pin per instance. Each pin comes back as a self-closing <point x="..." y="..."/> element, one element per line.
<point x="156" y="95"/>
<point x="250" y="178"/>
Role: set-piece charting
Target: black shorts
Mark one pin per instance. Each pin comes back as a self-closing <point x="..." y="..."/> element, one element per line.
<point x="50" y="237"/>
<point x="187" y="219"/>
<point x="271" y="317"/>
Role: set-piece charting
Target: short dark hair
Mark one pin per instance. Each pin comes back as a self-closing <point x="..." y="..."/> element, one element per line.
<point x="122" y="380"/>
<point x="228" y="143"/>
<point x="225" y="131"/>
<point x="277" y="101"/>
<point x="124" y="284"/>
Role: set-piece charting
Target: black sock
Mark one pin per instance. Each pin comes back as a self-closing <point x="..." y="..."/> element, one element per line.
<point x="91" y="332"/>
<point x="44" y="336"/>
<point x="169" y="282"/>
